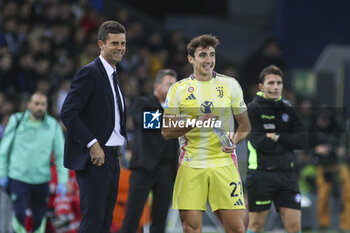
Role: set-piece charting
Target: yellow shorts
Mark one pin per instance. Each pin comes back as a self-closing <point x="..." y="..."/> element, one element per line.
<point x="222" y="186"/>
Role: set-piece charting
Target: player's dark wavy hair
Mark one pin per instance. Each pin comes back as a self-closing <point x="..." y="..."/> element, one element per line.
<point x="272" y="69"/>
<point x="113" y="27"/>
<point x="204" y="41"/>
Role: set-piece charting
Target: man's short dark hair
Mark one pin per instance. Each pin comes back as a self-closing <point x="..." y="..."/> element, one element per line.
<point x="113" y="27"/>
<point x="203" y="41"/>
<point x="272" y="69"/>
<point x="160" y="75"/>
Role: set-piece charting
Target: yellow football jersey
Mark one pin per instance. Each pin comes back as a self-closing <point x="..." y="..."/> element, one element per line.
<point x="221" y="96"/>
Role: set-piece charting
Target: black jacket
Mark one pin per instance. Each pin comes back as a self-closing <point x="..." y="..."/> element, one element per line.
<point x="150" y="148"/>
<point x="278" y="117"/>
<point x="88" y="113"/>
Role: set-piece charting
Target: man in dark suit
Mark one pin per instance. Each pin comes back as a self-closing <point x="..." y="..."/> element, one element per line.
<point x="94" y="115"/>
<point x="153" y="163"/>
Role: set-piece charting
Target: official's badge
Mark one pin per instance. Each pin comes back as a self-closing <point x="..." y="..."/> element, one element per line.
<point x="285" y="117"/>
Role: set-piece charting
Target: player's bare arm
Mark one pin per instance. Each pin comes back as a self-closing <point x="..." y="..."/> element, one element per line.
<point x="244" y="127"/>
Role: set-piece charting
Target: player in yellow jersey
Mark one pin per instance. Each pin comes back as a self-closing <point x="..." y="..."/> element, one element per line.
<point x="208" y="171"/>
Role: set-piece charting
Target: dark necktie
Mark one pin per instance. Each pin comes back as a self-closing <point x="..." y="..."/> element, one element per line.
<point x="119" y="102"/>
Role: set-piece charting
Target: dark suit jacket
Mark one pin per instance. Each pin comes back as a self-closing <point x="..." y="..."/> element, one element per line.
<point x="88" y="113"/>
<point x="150" y="147"/>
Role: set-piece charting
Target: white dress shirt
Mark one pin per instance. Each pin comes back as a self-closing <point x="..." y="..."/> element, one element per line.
<point x="116" y="139"/>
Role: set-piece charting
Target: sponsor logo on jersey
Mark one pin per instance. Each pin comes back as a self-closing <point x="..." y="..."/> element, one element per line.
<point x="207" y="107"/>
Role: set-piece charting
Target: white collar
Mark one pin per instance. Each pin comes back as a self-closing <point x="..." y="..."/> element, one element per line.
<point x="109" y="69"/>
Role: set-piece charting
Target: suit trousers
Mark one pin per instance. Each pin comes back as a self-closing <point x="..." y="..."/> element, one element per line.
<point x="160" y="181"/>
<point x="98" y="193"/>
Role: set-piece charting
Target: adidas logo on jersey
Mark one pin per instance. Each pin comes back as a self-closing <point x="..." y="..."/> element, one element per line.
<point x="239" y="202"/>
<point x="191" y="97"/>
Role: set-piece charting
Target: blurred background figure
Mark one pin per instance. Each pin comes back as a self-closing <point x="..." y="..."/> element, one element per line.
<point x="327" y="141"/>
<point x="270" y="53"/>
<point x="153" y="162"/>
<point x="25" y="162"/>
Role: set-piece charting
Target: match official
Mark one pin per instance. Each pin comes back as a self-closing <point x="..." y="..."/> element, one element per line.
<point x="276" y="132"/>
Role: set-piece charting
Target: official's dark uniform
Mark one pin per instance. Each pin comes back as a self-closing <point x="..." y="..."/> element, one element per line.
<point x="271" y="175"/>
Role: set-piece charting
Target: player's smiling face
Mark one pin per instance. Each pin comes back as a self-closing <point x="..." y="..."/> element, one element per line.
<point x="203" y="61"/>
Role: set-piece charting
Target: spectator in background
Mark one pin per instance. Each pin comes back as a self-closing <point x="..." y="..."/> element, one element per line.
<point x="123" y="16"/>
<point x="276" y="132"/>
<point x="7" y="73"/>
<point x="153" y="162"/>
<point x="270" y="53"/>
<point x="90" y="20"/>
<point x="65" y="31"/>
<point x="327" y="142"/>
<point x="12" y="36"/>
<point x="25" y="161"/>
<point x="25" y="75"/>
<point x="6" y="109"/>
<point x="42" y="66"/>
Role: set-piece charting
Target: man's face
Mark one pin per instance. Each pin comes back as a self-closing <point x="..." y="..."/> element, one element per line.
<point x="163" y="87"/>
<point x="272" y="87"/>
<point x="203" y="61"/>
<point x="38" y="106"/>
<point x="114" y="48"/>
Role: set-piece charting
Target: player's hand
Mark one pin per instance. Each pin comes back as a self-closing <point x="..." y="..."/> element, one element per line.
<point x="229" y="149"/>
<point x="97" y="154"/>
